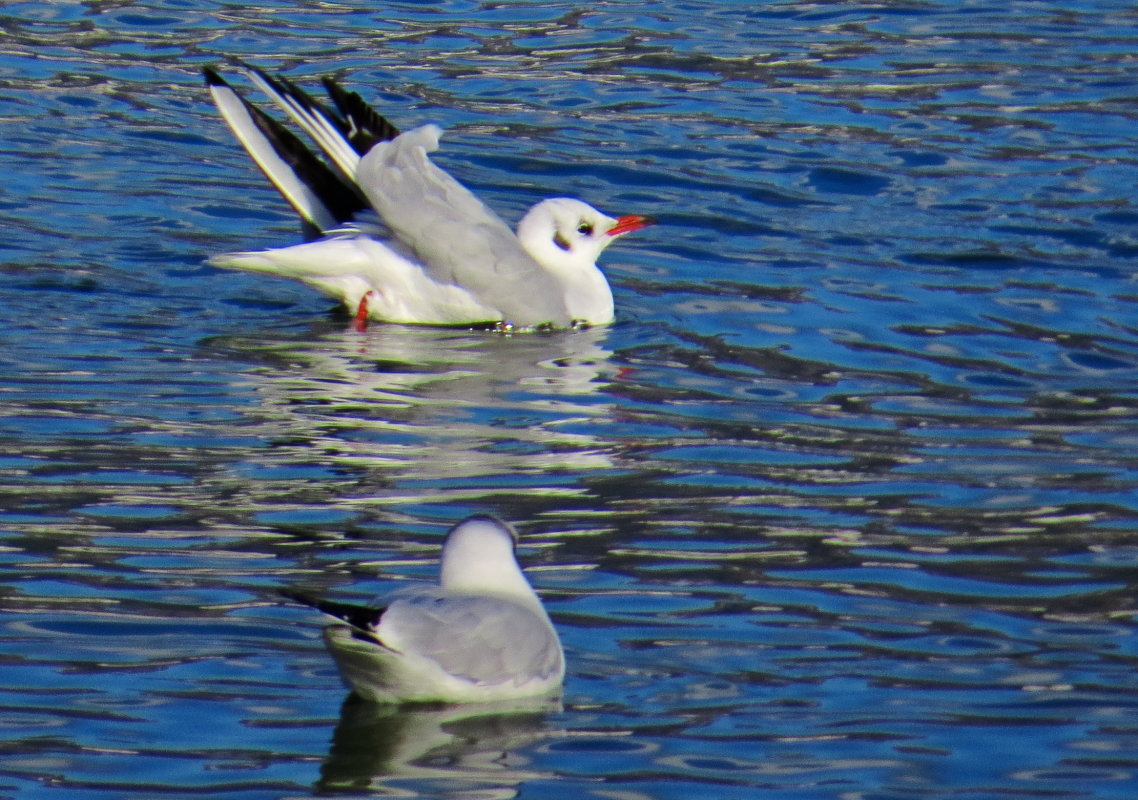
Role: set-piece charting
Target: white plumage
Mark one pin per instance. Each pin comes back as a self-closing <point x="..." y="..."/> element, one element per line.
<point x="402" y="240"/>
<point x="480" y="635"/>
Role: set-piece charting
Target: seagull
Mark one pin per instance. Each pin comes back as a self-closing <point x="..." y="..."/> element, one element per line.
<point x="480" y="635"/>
<point x="400" y="240"/>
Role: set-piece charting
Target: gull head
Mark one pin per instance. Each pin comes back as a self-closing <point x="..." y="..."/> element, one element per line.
<point x="563" y="234"/>
<point x="478" y="558"/>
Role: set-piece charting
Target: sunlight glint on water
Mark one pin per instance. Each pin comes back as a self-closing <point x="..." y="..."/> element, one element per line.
<point x="843" y="505"/>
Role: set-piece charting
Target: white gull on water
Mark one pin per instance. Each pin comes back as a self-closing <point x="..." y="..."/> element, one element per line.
<point x="480" y="635"/>
<point x="400" y="239"/>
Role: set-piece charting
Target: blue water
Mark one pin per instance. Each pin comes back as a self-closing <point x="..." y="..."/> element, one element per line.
<point x="843" y="506"/>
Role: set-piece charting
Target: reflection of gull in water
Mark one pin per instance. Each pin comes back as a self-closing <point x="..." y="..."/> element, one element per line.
<point x="466" y="749"/>
<point x="480" y="635"/>
<point x="425" y="404"/>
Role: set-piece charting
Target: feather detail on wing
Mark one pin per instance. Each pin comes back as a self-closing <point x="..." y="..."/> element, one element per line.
<point x="484" y="639"/>
<point x="321" y="196"/>
<point x="453" y="234"/>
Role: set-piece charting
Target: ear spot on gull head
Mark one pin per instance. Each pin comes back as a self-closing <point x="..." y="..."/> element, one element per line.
<point x="561" y="241"/>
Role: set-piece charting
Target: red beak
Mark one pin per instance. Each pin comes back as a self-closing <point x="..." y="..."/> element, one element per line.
<point x="633" y="222"/>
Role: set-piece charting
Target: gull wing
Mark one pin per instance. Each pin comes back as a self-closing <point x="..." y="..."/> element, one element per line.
<point x="364" y="127"/>
<point x="356" y="615"/>
<point x="483" y="639"/>
<point x="322" y="197"/>
<point x="454" y="235"/>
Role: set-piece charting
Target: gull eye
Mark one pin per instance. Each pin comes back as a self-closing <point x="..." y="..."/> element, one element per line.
<point x="585" y="228"/>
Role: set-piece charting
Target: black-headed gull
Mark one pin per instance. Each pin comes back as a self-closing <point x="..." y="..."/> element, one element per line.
<point x="402" y="240"/>
<point x="480" y="635"/>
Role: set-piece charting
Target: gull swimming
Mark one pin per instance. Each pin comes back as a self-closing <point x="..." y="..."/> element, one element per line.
<point x="479" y="635"/>
<point x="400" y="240"/>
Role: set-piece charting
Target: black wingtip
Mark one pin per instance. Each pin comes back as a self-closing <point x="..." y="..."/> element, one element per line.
<point x="287" y="89"/>
<point x="212" y="77"/>
<point x="340" y="199"/>
<point x="362" y="617"/>
<point x="269" y="79"/>
<point x="366" y="127"/>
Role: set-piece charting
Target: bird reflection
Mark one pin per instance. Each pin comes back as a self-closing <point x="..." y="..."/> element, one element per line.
<point x="434" y="404"/>
<point x="376" y="747"/>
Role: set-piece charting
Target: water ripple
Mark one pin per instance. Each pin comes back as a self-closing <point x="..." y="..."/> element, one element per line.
<point x="843" y="503"/>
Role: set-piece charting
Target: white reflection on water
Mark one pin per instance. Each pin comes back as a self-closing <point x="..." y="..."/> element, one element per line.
<point x="439" y="404"/>
<point x="447" y="750"/>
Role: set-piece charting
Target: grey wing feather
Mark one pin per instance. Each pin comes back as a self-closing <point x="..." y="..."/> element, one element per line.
<point x="452" y="233"/>
<point x="484" y="639"/>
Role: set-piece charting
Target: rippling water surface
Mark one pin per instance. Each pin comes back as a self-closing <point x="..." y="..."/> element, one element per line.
<point x="843" y="506"/>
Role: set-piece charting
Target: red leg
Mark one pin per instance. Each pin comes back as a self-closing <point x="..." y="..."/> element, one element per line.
<point x="360" y="321"/>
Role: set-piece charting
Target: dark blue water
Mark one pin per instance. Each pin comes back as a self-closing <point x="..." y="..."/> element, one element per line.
<point x="843" y="506"/>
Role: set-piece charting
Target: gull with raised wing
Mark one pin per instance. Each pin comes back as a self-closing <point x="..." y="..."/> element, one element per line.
<point x="400" y="239"/>
<point x="480" y="635"/>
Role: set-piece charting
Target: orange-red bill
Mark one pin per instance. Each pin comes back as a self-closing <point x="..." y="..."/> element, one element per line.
<point x="633" y="222"/>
